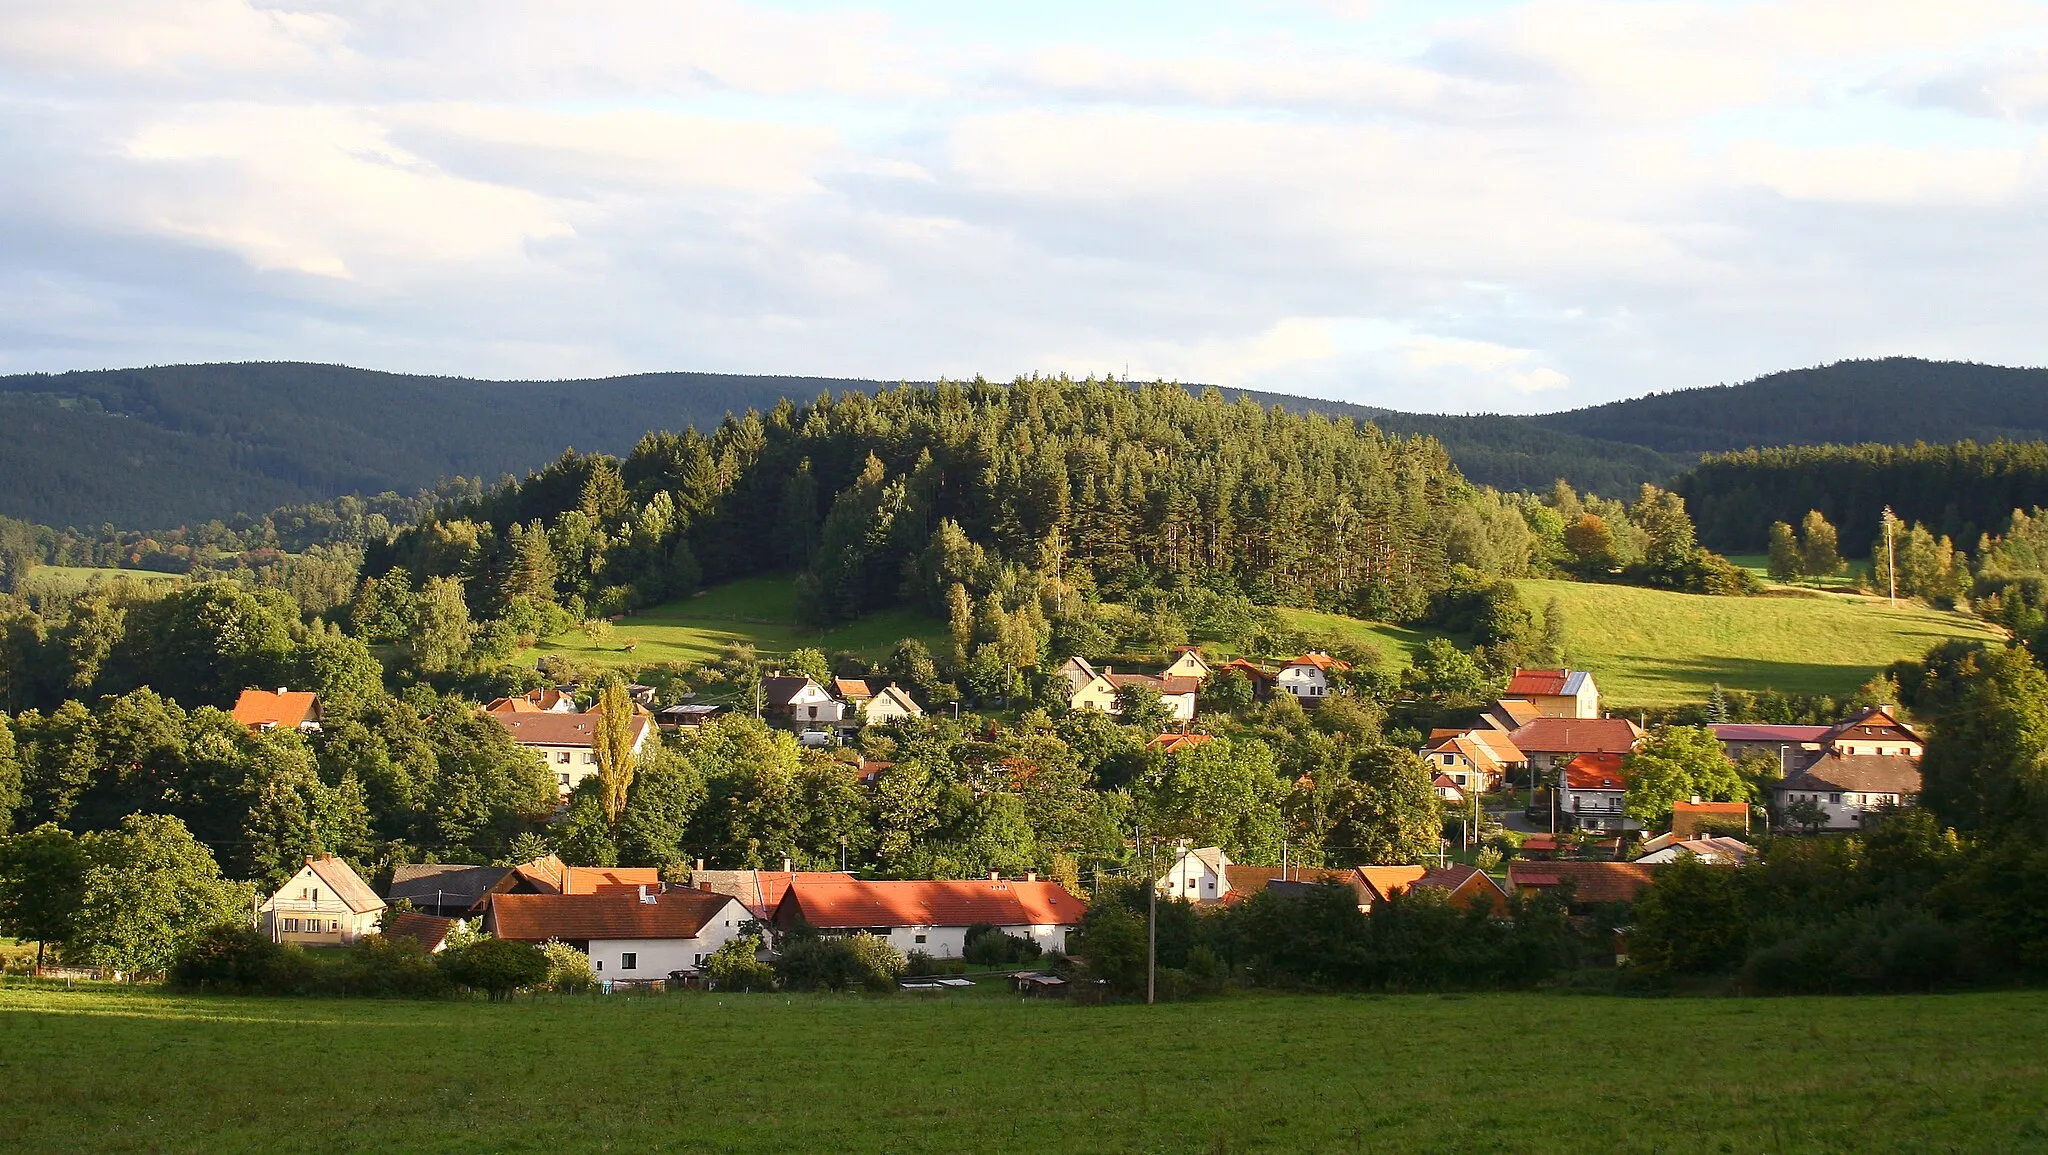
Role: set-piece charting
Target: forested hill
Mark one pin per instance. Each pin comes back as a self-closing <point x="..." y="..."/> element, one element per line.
<point x="159" y="447"/>
<point x="1894" y="401"/>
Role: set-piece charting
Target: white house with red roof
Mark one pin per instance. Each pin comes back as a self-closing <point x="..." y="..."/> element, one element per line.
<point x="1308" y="677"/>
<point x="1552" y="742"/>
<point x="567" y="743"/>
<point x="281" y="709"/>
<point x="1556" y="693"/>
<point x="934" y="917"/>
<point x="1592" y="789"/>
<point x="629" y="932"/>
<point x="1177" y="694"/>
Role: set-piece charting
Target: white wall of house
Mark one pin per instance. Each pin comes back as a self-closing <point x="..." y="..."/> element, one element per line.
<point x="1192" y="879"/>
<point x="951" y="941"/>
<point x="306" y="910"/>
<point x="1845" y="809"/>
<point x="1596" y="809"/>
<point x="1305" y="682"/>
<point x="653" y="958"/>
<point x="1180" y="707"/>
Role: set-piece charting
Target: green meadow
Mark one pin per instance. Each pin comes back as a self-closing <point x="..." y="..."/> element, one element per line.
<point x="113" y="1070"/>
<point x="64" y="580"/>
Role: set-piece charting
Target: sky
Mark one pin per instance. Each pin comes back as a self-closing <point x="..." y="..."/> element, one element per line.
<point x="1443" y="206"/>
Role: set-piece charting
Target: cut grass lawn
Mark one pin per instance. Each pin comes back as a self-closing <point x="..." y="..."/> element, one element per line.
<point x="759" y="611"/>
<point x="64" y="580"/>
<point x="1655" y="648"/>
<point x="137" y="1070"/>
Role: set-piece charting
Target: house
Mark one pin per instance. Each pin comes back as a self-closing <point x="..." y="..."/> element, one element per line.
<point x="1557" y="693"/>
<point x="934" y="917"/>
<point x="445" y="889"/>
<point x="1592" y="790"/>
<point x="1174" y="741"/>
<point x="1260" y="678"/>
<point x="1206" y="876"/>
<point x="1873" y="731"/>
<point x="1308" y="676"/>
<point x="1695" y="817"/>
<point x="552" y="700"/>
<point x="1478" y="758"/>
<point x="1467" y="887"/>
<point x="1077" y="673"/>
<point x="550" y="875"/>
<point x="1197" y="875"/>
<point x="1715" y="850"/>
<point x="1189" y="663"/>
<point x="567" y="742"/>
<point x="689" y="716"/>
<point x="1292" y="881"/>
<point x="801" y="703"/>
<point x="759" y="890"/>
<point x="1849" y="788"/>
<point x="265" y="710"/>
<point x="852" y="691"/>
<point x="1449" y="792"/>
<point x="1550" y="743"/>
<point x="1790" y="745"/>
<point x="890" y="704"/>
<point x="1508" y="715"/>
<point x="1176" y="694"/>
<point x="325" y="904"/>
<point x="425" y="929"/>
<point x="629" y="932"/>
<point x="1591" y="883"/>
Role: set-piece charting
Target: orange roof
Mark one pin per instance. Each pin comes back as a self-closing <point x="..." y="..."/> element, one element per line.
<point x="608" y="914"/>
<point x="1537" y="683"/>
<point x="1176" y="741"/>
<point x="552" y="729"/>
<point x="1577" y="736"/>
<point x="264" y="709"/>
<point x="553" y="875"/>
<point x="1712" y="809"/>
<point x="1595" y="882"/>
<point x="857" y="904"/>
<point x="1320" y="661"/>
<point x="1255" y="673"/>
<point x="1388" y="881"/>
<point x="511" y="706"/>
<point x="1595" y="772"/>
<point x="852" y="689"/>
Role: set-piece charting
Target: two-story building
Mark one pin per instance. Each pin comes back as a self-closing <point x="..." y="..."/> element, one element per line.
<point x="1177" y="694"/>
<point x="1308" y="677"/>
<point x="1845" y="790"/>
<point x="1556" y="693"/>
<point x="567" y="743"/>
<point x="325" y="904"/>
<point x="802" y="704"/>
<point x="1592" y="790"/>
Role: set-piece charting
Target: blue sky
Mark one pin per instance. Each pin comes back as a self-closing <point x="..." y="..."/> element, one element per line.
<point x="1435" y="206"/>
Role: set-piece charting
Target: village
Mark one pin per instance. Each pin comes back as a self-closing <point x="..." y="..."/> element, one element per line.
<point x="1543" y="761"/>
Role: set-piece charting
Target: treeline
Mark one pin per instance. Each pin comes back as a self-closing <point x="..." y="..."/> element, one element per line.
<point x="1959" y="491"/>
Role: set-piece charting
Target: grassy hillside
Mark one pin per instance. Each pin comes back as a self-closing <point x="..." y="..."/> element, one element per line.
<point x="1653" y="648"/>
<point x="758" y="611"/>
<point x="60" y="580"/>
<point x="113" y="1071"/>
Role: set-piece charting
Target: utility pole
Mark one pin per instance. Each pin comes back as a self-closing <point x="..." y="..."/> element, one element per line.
<point x="1151" y="924"/>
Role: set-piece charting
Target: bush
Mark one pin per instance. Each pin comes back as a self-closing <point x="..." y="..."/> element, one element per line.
<point x="496" y="966"/>
<point x="737" y="966"/>
<point x="990" y="947"/>
<point x="238" y="960"/>
<point x="387" y="968"/>
<point x="839" y="964"/>
<point x="917" y="964"/>
<point x="878" y="964"/>
<point x="569" y="970"/>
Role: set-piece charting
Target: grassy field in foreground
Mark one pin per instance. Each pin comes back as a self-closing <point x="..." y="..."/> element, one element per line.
<point x="116" y="1071"/>
<point x="1653" y="648"/>
<point x="760" y="611"/>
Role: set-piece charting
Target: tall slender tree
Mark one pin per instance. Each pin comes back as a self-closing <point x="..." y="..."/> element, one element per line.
<point x="612" y="742"/>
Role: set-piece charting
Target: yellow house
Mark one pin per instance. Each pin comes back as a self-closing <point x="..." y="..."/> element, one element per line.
<point x="1189" y="664"/>
<point x="325" y="904"/>
<point x="1177" y="694"/>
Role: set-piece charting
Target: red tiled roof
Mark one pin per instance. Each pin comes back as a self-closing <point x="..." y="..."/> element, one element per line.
<point x="552" y="875"/>
<point x="1537" y="683"/>
<point x="1595" y="882"/>
<point x="425" y="929"/>
<point x="1249" y="670"/>
<point x="854" y="904"/>
<point x="1443" y="782"/>
<point x="760" y="890"/>
<point x="1577" y="736"/>
<point x="1175" y="742"/>
<point x="609" y="914"/>
<point x="1711" y="809"/>
<point x="1320" y="661"/>
<point x="289" y="709"/>
<point x="1595" y="772"/>
<point x="1388" y="881"/>
<point x="852" y="689"/>
<point x="1457" y="876"/>
<point x="1167" y="687"/>
<point x="1241" y="882"/>
<point x="1875" y="716"/>
<point x="551" y="729"/>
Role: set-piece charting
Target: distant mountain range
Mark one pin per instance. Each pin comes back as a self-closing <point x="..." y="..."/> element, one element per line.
<point x="168" y="445"/>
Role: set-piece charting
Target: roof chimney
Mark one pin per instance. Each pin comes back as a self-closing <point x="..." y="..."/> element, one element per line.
<point x="1031" y="876"/>
<point x="646" y="899"/>
<point x="785" y="864"/>
<point x="995" y="876"/>
<point x="700" y="864"/>
<point x="281" y="691"/>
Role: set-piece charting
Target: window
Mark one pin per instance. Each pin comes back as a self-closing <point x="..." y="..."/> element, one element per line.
<point x="334" y="926"/>
<point x="563" y="779"/>
<point x="920" y="937"/>
<point x="1835" y="798"/>
<point x="590" y="759"/>
<point x="697" y="960"/>
<point x="316" y="894"/>
<point x="291" y="924"/>
<point x="562" y="757"/>
<point x="597" y="963"/>
<point x="628" y="961"/>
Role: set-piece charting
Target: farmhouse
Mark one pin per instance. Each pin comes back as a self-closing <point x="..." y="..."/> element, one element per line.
<point x="265" y="710"/>
<point x="1591" y="883"/>
<point x="934" y="917"/>
<point x="636" y="932"/>
<point x="890" y="704"/>
<point x="800" y="703"/>
<point x="1845" y="789"/>
<point x="446" y="889"/>
<point x="1308" y="676"/>
<point x="325" y="904"/>
<point x="1550" y="743"/>
<point x="1189" y="663"/>
<point x="567" y="742"/>
<point x="1592" y="789"/>
<point x="1557" y="693"/>
<point x="759" y="890"/>
<point x="552" y="700"/>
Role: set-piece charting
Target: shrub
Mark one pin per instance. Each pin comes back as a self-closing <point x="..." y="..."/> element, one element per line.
<point x="495" y="966"/>
<point x="990" y="947"/>
<point x="238" y="960"/>
<point x="839" y="964"/>
<point x="737" y="966"/>
<point x="917" y="964"/>
<point x="1488" y="859"/>
<point x="569" y="970"/>
<point x="389" y="968"/>
<point x="878" y="964"/>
